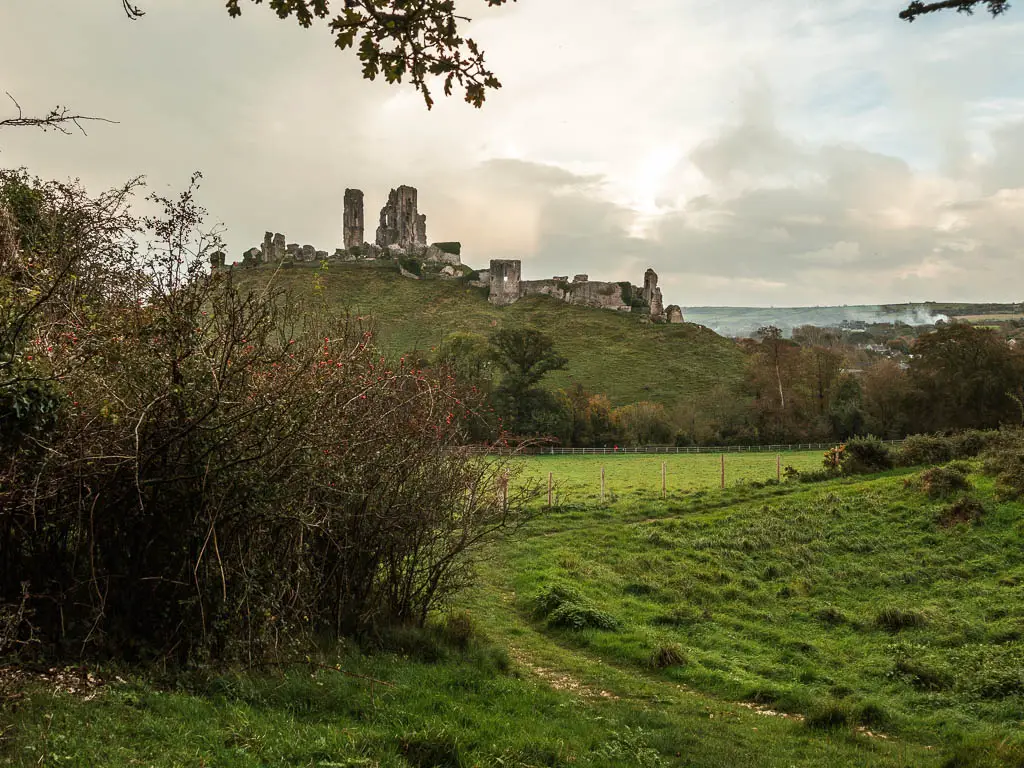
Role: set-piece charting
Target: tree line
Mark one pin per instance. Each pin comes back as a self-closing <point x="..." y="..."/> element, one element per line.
<point x="807" y="388"/>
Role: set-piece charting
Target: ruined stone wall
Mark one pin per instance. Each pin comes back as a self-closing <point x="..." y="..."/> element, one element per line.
<point x="504" y="281"/>
<point x="585" y="294"/>
<point x="352" y="219"/>
<point x="507" y="286"/>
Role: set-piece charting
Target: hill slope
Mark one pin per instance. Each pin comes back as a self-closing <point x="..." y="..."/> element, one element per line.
<point x="608" y="352"/>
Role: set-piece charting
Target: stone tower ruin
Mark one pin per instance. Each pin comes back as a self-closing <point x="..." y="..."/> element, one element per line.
<point x="652" y="294"/>
<point x="504" y="278"/>
<point x="401" y="223"/>
<point x="352" y="220"/>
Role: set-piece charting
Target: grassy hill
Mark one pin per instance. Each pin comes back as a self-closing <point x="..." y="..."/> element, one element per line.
<point x="608" y="352"/>
<point x="845" y="623"/>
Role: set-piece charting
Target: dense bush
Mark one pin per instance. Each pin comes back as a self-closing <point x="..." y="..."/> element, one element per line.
<point x="861" y="455"/>
<point x="942" y="482"/>
<point x="204" y="471"/>
<point x="964" y="510"/>
<point x="919" y="450"/>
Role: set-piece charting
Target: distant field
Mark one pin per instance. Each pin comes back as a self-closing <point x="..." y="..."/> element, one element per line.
<point x="578" y="478"/>
<point x="992" y="318"/>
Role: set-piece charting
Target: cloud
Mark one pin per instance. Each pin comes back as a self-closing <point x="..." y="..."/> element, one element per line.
<point x="788" y="154"/>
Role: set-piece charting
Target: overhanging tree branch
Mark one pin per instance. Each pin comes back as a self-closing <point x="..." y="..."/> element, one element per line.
<point x="915" y="9"/>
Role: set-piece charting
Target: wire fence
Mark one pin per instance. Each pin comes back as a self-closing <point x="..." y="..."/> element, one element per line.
<point x="657" y="449"/>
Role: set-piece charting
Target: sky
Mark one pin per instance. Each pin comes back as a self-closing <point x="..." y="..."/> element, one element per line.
<point x="792" y="153"/>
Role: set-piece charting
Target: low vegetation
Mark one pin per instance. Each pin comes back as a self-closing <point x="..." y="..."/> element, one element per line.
<point x="860" y="603"/>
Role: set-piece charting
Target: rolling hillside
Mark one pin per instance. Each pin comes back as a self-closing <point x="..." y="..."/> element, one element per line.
<point x="608" y="352"/>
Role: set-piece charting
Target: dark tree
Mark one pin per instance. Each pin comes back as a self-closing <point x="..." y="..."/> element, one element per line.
<point x="525" y="356"/>
<point x="964" y="377"/>
<point x="915" y="9"/>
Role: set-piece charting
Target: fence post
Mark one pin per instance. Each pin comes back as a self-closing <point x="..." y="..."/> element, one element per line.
<point x="723" y="470"/>
<point x="663" y="479"/>
<point x="778" y="467"/>
<point x="602" y="483"/>
<point x="550" y="475"/>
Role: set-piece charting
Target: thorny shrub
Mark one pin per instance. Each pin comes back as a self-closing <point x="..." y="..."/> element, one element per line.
<point x="941" y="482"/>
<point x="191" y="470"/>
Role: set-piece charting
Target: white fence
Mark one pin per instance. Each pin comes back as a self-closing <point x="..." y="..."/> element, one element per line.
<point x="661" y="449"/>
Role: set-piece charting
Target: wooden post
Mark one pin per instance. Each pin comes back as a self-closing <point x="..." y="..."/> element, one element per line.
<point x="663" y="479"/>
<point x="550" y="476"/>
<point x="602" y="484"/>
<point x="778" y="467"/>
<point x="723" y="470"/>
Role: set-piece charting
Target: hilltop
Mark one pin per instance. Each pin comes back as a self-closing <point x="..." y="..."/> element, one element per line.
<point x="612" y="352"/>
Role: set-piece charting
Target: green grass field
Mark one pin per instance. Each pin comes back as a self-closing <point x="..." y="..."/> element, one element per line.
<point x="608" y="352"/>
<point x="637" y="477"/>
<point x="844" y="623"/>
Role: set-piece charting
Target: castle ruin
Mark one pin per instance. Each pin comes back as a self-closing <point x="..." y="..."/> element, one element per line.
<point x="401" y="223"/>
<point x="506" y="286"/>
<point x="401" y="238"/>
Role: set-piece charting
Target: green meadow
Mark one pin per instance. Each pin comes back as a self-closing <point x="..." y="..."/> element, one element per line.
<point x="637" y="477"/>
<point x="853" y="622"/>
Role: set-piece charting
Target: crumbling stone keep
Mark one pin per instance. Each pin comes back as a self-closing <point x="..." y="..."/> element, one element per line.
<point x="401" y="223"/>
<point x="352" y="220"/>
<point x="504" y="281"/>
<point x="673" y="313"/>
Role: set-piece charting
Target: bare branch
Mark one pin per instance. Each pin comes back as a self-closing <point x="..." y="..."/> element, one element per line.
<point x="58" y="119"/>
<point x="132" y="11"/>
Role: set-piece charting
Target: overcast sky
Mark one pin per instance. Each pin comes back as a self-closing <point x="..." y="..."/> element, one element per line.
<point x="785" y="153"/>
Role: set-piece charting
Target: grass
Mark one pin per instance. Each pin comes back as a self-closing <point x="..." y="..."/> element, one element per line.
<point x="637" y="477"/>
<point x="851" y="596"/>
<point x="608" y="352"/>
<point x="638" y="633"/>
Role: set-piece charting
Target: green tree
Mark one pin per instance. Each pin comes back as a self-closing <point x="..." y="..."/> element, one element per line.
<point x="964" y="377"/>
<point x="467" y="357"/>
<point x="524" y="356"/>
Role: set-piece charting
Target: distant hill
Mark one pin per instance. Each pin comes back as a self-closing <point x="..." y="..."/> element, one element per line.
<point x="744" y="321"/>
<point x="610" y="352"/>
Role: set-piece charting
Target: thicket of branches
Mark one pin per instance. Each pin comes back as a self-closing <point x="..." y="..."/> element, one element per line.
<point x="192" y="471"/>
